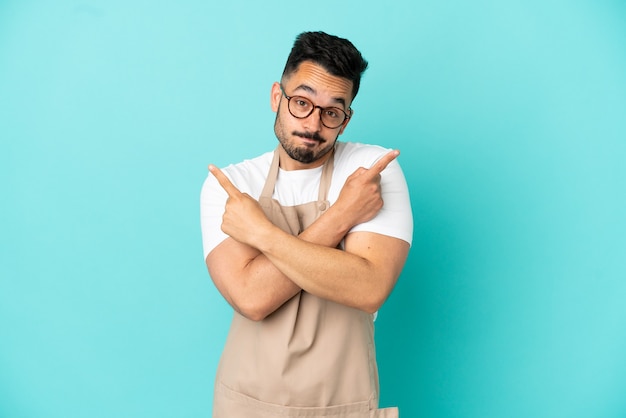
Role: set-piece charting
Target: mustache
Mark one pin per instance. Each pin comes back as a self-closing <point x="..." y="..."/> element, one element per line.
<point x="308" y="135"/>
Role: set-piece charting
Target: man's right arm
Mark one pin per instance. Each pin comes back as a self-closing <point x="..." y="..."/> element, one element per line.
<point x="249" y="281"/>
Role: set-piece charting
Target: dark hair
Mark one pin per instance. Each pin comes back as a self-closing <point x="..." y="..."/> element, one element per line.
<point x="337" y="55"/>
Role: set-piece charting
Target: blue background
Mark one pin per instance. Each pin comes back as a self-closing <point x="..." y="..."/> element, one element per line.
<point x="511" y="119"/>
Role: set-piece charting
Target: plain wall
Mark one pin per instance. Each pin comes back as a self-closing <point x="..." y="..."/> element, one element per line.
<point x="511" y="120"/>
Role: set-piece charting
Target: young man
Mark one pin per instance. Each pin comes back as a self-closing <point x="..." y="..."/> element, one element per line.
<point x="306" y="243"/>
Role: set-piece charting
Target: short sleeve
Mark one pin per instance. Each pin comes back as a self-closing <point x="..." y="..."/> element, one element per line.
<point x="212" y="203"/>
<point x="395" y="219"/>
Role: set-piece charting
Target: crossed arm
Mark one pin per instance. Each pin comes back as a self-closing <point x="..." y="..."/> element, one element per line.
<point x="259" y="267"/>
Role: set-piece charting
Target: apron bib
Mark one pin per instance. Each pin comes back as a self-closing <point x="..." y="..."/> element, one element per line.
<point x="311" y="357"/>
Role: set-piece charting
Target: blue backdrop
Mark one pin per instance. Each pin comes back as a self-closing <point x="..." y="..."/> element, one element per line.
<point x="511" y="119"/>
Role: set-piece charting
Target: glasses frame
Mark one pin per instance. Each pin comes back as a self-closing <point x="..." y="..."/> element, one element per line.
<point x="346" y="114"/>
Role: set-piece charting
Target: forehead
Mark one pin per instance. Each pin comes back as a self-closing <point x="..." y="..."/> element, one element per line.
<point x="317" y="82"/>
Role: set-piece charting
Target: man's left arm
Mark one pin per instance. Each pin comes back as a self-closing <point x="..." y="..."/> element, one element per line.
<point x="361" y="276"/>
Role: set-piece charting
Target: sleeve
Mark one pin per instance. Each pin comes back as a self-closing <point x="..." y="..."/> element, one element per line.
<point x="212" y="203"/>
<point x="395" y="219"/>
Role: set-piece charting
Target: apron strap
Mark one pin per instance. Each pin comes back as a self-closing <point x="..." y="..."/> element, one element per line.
<point x="327" y="175"/>
<point x="272" y="175"/>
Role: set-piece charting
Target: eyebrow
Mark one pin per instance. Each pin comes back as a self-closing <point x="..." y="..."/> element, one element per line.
<point x="311" y="90"/>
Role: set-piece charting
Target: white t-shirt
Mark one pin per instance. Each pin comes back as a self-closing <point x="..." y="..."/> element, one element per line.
<point x="296" y="187"/>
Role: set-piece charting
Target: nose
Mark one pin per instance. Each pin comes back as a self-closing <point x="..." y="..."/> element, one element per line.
<point x="313" y="122"/>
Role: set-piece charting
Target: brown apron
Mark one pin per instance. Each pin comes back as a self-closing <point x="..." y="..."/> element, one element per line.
<point x="310" y="358"/>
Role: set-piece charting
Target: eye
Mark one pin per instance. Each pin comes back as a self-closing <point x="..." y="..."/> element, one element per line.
<point x="333" y="113"/>
<point x="301" y="103"/>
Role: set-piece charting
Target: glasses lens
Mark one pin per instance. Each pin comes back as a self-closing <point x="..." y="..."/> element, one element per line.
<point x="333" y="117"/>
<point x="300" y="107"/>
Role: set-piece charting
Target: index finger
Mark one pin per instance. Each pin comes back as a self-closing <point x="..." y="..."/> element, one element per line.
<point x="383" y="161"/>
<point x="223" y="180"/>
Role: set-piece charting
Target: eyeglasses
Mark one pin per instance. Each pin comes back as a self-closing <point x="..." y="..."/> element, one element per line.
<point x="301" y="107"/>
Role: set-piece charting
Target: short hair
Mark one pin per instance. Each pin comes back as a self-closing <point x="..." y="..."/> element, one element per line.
<point x="337" y="55"/>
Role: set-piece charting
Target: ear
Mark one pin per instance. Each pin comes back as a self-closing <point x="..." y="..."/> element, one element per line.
<point x="275" y="96"/>
<point x="345" y="122"/>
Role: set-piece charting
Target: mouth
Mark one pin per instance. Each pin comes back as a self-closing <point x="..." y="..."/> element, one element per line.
<point x="309" y="138"/>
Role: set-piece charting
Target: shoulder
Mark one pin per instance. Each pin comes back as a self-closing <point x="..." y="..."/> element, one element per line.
<point x="359" y="153"/>
<point x="250" y="169"/>
<point x="248" y="175"/>
<point x="352" y="155"/>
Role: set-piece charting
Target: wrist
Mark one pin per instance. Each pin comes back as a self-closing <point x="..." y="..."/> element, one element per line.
<point x="267" y="237"/>
<point x="339" y="220"/>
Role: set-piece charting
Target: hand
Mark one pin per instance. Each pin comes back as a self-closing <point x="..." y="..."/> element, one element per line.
<point x="243" y="217"/>
<point x="360" y="198"/>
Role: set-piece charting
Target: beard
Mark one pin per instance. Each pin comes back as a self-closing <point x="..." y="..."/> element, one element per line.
<point x="303" y="154"/>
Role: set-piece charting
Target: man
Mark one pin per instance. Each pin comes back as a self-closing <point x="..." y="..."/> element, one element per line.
<point x="306" y="244"/>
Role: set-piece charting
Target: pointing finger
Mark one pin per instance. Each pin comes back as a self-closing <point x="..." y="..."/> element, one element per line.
<point x="223" y="180"/>
<point x="383" y="161"/>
